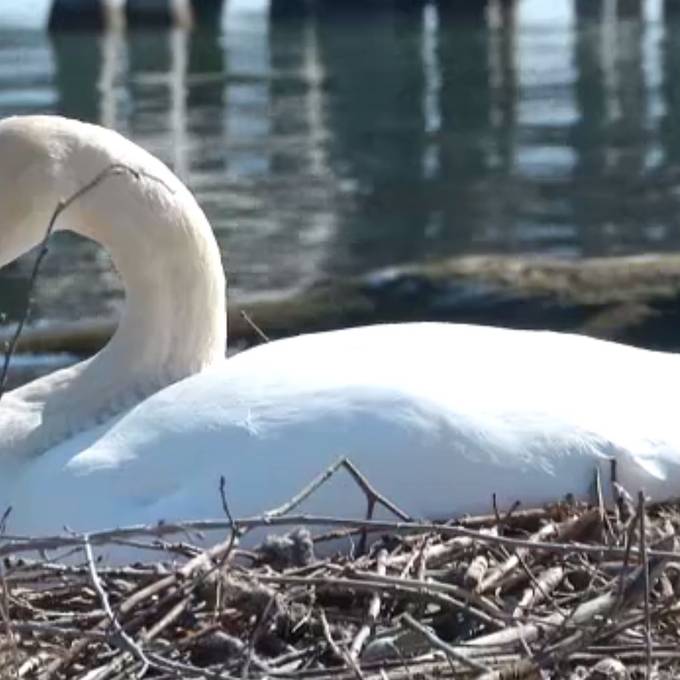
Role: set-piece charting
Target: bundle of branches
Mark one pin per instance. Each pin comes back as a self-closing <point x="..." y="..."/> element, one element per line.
<point x="567" y="591"/>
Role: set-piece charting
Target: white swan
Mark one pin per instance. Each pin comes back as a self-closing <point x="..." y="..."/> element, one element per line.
<point x="438" y="416"/>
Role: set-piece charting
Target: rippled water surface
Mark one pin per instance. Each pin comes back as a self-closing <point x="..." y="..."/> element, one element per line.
<point x="339" y="141"/>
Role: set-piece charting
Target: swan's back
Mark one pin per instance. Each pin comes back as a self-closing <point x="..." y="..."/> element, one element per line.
<point x="438" y="416"/>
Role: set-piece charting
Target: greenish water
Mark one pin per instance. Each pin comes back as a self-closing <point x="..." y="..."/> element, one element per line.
<point x="337" y="142"/>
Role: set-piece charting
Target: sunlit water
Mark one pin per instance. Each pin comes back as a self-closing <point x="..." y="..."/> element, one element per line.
<point x="337" y="142"/>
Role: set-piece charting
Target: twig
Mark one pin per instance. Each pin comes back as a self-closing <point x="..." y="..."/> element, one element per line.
<point x="601" y="509"/>
<point x="645" y="569"/>
<point x="373" y="610"/>
<point x="543" y="586"/>
<point x="167" y="620"/>
<point x="372" y="495"/>
<point x="261" y="622"/>
<point x="433" y="592"/>
<point x="494" y="576"/>
<point x="435" y="641"/>
<point x="5" y="604"/>
<point x="127" y="641"/>
<point x="248" y="319"/>
<point x="341" y="654"/>
<point x="234" y="526"/>
<point x="3" y="520"/>
<point x="21" y="544"/>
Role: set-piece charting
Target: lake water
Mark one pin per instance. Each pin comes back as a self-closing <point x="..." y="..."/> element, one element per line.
<point x="339" y="141"/>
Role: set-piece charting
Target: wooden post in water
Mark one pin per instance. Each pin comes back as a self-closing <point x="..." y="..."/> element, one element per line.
<point x="451" y="10"/>
<point x="408" y="6"/>
<point x="102" y="14"/>
<point x="208" y="12"/>
<point x="629" y="8"/>
<point x="77" y="15"/>
<point x="281" y="9"/>
<point x="588" y="9"/>
<point x="150" y="12"/>
<point x="287" y="8"/>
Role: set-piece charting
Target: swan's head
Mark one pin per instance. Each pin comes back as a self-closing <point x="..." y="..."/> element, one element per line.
<point x="31" y="181"/>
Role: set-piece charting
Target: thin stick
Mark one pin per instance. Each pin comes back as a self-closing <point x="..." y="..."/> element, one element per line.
<point x="235" y="529"/>
<point x="543" y="585"/>
<point x="248" y="319"/>
<point x="435" y="641"/>
<point x="645" y="567"/>
<point x="604" y="520"/>
<point x="5" y="604"/>
<point x="20" y="544"/>
<point x="257" y="632"/>
<point x="127" y="641"/>
<point x="182" y="670"/>
<point x="167" y="620"/>
<point x="371" y="493"/>
<point x="452" y="589"/>
<point x="335" y="648"/>
<point x="432" y="592"/>
<point x="305" y="493"/>
<point x="493" y="577"/>
<point x="626" y="560"/>
<point x="3" y="520"/>
<point x="373" y="610"/>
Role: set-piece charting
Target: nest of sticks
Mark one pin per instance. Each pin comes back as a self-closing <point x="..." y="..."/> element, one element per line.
<point x="567" y="591"/>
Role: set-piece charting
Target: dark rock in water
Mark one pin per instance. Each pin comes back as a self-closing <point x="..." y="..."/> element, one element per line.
<point x="466" y="301"/>
<point x="631" y="299"/>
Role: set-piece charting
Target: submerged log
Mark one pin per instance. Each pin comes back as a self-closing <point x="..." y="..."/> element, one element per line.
<point x="630" y="299"/>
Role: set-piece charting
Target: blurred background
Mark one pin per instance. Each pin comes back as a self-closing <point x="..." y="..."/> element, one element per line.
<point x="330" y="137"/>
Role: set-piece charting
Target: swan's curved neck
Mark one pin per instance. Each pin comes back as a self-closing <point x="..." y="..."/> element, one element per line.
<point x="174" y="320"/>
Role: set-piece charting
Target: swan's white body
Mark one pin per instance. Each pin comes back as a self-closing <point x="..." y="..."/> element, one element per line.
<point x="438" y="416"/>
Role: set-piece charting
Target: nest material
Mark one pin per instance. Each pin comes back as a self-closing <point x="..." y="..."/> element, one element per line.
<point x="564" y="592"/>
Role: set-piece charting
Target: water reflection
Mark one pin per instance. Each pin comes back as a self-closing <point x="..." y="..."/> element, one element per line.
<point x="329" y="140"/>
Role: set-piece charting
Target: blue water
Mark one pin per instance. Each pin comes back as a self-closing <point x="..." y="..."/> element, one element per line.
<point x="335" y="142"/>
